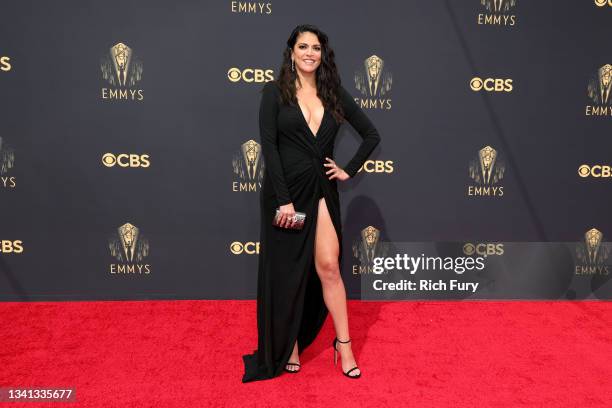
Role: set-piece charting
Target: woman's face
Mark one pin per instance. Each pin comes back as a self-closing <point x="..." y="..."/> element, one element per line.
<point x="307" y="52"/>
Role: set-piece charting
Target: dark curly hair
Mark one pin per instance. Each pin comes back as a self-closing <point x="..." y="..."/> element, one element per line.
<point x="327" y="78"/>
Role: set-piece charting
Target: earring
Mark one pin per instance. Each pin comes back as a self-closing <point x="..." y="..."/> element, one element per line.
<point x="292" y="65"/>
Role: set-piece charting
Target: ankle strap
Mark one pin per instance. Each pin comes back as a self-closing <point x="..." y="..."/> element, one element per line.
<point x="340" y="341"/>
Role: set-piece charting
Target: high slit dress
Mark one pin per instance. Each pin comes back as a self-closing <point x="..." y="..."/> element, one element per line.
<point x="290" y="302"/>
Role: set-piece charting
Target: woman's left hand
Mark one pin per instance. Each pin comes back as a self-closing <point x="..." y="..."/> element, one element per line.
<point x="335" y="170"/>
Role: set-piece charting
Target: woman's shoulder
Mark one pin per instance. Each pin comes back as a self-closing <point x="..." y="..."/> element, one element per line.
<point x="270" y="93"/>
<point x="344" y="93"/>
<point x="346" y="99"/>
<point x="271" y="87"/>
<point x="270" y="96"/>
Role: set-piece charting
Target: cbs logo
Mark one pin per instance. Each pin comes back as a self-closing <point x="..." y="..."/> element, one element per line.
<point x="491" y="84"/>
<point x="377" y="166"/>
<point x="595" y="171"/>
<point x="7" y="247"/>
<point x="602" y="3"/>
<point x="483" y="249"/>
<point x="5" y="64"/>
<point x="250" y="75"/>
<point x="126" y="160"/>
<point x="250" y="248"/>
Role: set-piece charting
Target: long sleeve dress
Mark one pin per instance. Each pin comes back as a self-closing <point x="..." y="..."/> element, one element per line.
<point x="290" y="302"/>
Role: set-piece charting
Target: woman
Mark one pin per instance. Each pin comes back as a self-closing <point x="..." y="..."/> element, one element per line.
<point x="299" y="270"/>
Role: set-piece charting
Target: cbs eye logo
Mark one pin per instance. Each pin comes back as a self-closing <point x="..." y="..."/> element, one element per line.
<point x="491" y="84"/>
<point x="250" y="75"/>
<point x="126" y="160"/>
<point x="595" y="171"/>
<point x="602" y="3"/>
<point x="483" y="249"/>
<point x="250" y="248"/>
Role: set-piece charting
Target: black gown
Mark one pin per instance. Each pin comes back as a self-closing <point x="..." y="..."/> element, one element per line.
<point x="290" y="302"/>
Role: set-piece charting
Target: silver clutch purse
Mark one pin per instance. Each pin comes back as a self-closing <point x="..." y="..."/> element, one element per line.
<point x="298" y="223"/>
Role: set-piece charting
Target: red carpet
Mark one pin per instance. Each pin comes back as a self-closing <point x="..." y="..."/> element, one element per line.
<point x="412" y="354"/>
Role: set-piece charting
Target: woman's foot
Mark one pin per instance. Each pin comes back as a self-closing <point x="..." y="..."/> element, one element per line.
<point x="294" y="360"/>
<point x="347" y="359"/>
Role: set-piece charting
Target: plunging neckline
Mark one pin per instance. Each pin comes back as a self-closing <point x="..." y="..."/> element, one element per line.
<point x="299" y="107"/>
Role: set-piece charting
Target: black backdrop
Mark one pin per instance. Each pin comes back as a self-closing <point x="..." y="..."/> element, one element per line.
<point x="199" y="67"/>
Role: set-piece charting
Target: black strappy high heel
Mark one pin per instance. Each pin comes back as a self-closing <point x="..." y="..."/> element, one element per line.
<point x="293" y="371"/>
<point x="336" y="358"/>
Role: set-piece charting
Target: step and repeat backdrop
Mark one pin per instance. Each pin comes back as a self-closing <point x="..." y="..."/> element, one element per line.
<point x="130" y="163"/>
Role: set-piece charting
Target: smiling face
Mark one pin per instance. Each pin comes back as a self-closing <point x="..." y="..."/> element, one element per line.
<point x="306" y="52"/>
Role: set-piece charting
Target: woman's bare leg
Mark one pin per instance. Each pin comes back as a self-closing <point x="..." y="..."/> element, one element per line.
<point x="334" y="294"/>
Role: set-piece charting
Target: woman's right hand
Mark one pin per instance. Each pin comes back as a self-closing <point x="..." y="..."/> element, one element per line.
<point x="287" y="214"/>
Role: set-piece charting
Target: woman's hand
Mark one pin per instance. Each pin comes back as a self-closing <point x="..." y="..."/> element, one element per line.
<point x="335" y="171"/>
<point x="287" y="215"/>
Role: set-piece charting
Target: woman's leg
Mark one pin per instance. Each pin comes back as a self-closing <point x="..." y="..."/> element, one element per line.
<point x="294" y="358"/>
<point x="327" y="250"/>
